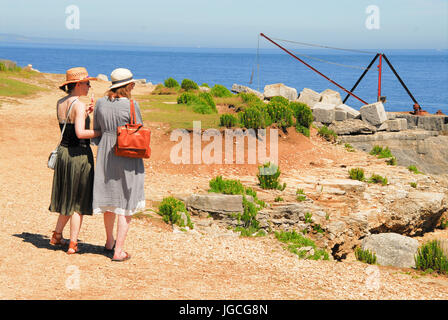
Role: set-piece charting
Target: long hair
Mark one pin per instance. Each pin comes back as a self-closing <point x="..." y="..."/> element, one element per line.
<point x="124" y="91"/>
<point x="68" y="88"/>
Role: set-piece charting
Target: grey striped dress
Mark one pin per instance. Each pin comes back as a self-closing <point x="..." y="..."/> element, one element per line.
<point x="119" y="181"/>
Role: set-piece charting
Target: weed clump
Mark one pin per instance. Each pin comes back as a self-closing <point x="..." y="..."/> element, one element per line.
<point x="188" y="85"/>
<point x="414" y="169"/>
<point x="327" y="134"/>
<point x="173" y="211"/>
<point x="220" y="91"/>
<point x="228" y="120"/>
<point x="295" y="241"/>
<point x="366" y="256"/>
<point x="171" y="83"/>
<point x="431" y="256"/>
<point x="357" y="174"/>
<point x="376" y="178"/>
<point x="268" y="177"/>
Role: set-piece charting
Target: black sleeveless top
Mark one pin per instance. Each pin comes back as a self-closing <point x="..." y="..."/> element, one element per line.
<point x="69" y="139"/>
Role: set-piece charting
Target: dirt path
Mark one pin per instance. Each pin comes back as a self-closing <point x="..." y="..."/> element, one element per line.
<point x="209" y="263"/>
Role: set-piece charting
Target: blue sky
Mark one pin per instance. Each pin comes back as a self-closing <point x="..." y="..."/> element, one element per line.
<point x="404" y="24"/>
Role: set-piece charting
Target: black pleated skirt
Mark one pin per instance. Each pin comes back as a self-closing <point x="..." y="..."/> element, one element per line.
<point x="72" y="189"/>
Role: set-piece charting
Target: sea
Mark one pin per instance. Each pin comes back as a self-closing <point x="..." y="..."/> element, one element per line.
<point x="424" y="72"/>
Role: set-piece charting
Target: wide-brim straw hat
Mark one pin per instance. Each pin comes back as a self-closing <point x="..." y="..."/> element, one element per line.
<point x="77" y="74"/>
<point x="121" y="77"/>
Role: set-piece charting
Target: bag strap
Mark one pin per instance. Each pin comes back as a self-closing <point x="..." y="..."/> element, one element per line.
<point x="133" y="118"/>
<point x="65" y="121"/>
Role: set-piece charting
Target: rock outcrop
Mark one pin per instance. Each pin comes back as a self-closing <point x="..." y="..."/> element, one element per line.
<point x="279" y="89"/>
<point x="392" y="249"/>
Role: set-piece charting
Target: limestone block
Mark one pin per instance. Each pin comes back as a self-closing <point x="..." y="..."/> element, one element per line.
<point x="392" y="249"/>
<point x="323" y="113"/>
<point x="373" y="113"/>
<point x="331" y="97"/>
<point x="214" y="202"/>
<point x="237" y="88"/>
<point x="351" y="113"/>
<point x="279" y="89"/>
<point x="431" y="123"/>
<point x="340" y="115"/>
<point x="309" y="97"/>
<point x="394" y="125"/>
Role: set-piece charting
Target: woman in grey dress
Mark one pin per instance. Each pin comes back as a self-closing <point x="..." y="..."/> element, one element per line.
<point x="118" y="187"/>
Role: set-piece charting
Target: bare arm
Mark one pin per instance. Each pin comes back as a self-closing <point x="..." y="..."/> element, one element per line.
<point x="80" y="122"/>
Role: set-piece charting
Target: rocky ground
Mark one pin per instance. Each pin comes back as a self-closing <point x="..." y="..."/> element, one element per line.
<point x="209" y="262"/>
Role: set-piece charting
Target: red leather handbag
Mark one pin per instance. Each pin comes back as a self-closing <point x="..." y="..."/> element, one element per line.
<point x="133" y="139"/>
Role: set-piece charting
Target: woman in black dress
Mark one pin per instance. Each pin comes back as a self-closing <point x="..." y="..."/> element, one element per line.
<point x="72" y="188"/>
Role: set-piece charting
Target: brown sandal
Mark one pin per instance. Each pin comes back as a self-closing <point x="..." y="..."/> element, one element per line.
<point x="72" y="248"/>
<point x="57" y="240"/>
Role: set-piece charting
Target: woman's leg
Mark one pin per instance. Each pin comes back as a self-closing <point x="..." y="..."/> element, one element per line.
<point x="122" y="230"/>
<point x="109" y="221"/>
<point x="60" y="224"/>
<point x="75" y="226"/>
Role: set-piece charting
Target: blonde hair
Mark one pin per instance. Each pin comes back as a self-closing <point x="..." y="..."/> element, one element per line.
<point x="124" y="91"/>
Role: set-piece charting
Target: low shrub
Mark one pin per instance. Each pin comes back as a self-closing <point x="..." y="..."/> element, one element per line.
<point x="413" y="184"/>
<point x="302" y="113"/>
<point x="160" y="89"/>
<point x="300" y="195"/>
<point x="295" y="241"/>
<point x="349" y="147"/>
<point x="381" y="152"/>
<point x="376" y="178"/>
<point x="226" y="186"/>
<point x="280" y="99"/>
<point x="278" y="199"/>
<point x="188" y="85"/>
<point x="171" y="83"/>
<point x="220" y="91"/>
<point x="171" y="210"/>
<point x="308" y="217"/>
<point x="431" y="256"/>
<point x="268" y="177"/>
<point x="392" y="161"/>
<point x="252" y="118"/>
<point x="228" y="120"/>
<point x="357" y="174"/>
<point x="205" y="85"/>
<point x="414" y="169"/>
<point x="207" y="97"/>
<point x="303" y="130"/>
<point x="365" y="256"/>
<point x="280" y="114"/>
<point x="202" y="103"/>
<point x="249" y="98"/>
<point x="327" y="134"/>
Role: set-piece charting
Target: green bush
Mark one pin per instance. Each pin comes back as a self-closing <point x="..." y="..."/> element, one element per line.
<point x="249" y="98"/>
<point x="413" y="184"/>
<point x="228" y="120"/>
<point x="414" y="169"/>
<point x="280" y="99"/>
<point x="202" y="103"/>
<point x="357" y="174"/>
<point x="303" y="130"/>
<point x="252" y="118"/>
<point x="207" y="97"/>
<point x="219" y="185"/>
<point x="365" y="256"/>
<point x="268" y="177"/>
<point x="171" y="83"/>
<point x="160" y="89"/>
<point x="295" y="241"/>
<point x="169" y="209"/>
<point x="308" y="217"/>
<point x="278" y="199"/>
<point x="349" y="147"/>
<point x="188" y="85"/>
<point x="280" y="114"/>
<point x="327" y="134"/>
<point x="302" y="113"/>
<point x="300" y="195"/>
<point x="430" y="256"/>
<point x="205" y="85"/>
<point x="381" y="152"/>
<point x="220" y="91"/>
<point x="376" y="178"/>
<point x="392" y="161"/>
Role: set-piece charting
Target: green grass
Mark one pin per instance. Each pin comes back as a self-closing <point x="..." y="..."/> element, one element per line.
<point x="366" y="256"/>
<point x="430" y="256"/>
<point x="11" y="86"/>
<point x="176" y="116"/>
<point x="295" y="241"/>
<point x="357" y="174"/>
<point x="414" y="169"/>
<point x="376" y="178"/>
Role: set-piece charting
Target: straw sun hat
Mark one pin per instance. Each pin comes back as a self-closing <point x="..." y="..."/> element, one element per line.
<point x="121" y="77"/>
<point x="77" y="74"/>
